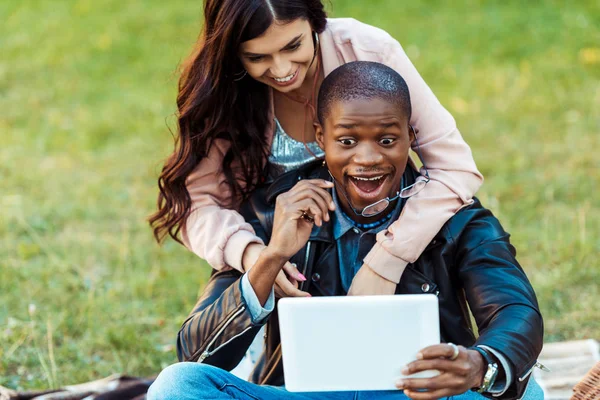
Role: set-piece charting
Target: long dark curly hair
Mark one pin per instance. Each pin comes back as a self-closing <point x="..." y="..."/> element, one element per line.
<point x="212" y="105"/>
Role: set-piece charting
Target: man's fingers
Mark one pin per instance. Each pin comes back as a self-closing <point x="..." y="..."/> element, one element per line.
<point x="307" y="206"/>
<point x="444" y="350"/>
<point x="437" y="382"/>
<point x="458" y="367"/>
<point x="320" y="186"/>
<point x="433" y="395"/>
<point x="317" y="195"/>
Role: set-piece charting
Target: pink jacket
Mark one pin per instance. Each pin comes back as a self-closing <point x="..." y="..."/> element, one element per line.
<point x="220" y="235"/>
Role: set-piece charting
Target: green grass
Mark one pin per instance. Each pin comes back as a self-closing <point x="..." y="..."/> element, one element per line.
<point x="87" y="90"/>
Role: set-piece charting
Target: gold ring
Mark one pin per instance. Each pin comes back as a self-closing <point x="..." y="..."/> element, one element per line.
<point x="456" y="351"/>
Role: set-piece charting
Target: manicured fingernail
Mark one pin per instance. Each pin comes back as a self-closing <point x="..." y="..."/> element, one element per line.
<point x="419" y="356"/>
<point x="400" y="383"/>
<point x="301" y="277"/>
<point x="332" y="205"/>
<point x="405" y="371"/>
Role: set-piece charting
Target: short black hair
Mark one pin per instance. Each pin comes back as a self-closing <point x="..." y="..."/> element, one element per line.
<point x="363" y="80"/>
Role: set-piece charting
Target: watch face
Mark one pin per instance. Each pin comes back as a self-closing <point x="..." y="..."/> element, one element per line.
<point x="489" y="378"/>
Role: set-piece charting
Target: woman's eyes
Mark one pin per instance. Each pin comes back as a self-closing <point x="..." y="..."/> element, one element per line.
<point x="294" y="46"/>
<point x="256" y="59"/>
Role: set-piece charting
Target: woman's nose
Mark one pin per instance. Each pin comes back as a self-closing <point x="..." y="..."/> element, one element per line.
<point x="280" y="67"/>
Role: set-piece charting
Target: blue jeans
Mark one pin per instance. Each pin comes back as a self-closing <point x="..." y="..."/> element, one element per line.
<point x="201" y="381"/>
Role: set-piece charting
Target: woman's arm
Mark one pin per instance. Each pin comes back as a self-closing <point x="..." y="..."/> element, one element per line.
<point x="214" y="230"/>
<point x="454" y="177"/>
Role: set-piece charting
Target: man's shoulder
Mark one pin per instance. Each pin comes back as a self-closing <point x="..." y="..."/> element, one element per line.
<point x="473" y="226"/>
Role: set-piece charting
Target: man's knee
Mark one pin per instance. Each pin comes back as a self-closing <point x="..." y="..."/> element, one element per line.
<point x="184" y="380"/>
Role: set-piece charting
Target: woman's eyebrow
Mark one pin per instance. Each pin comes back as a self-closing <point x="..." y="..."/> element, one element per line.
<point x="291" y="42"/>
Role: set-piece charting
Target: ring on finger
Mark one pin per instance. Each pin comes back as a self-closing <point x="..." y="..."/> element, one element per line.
<point x="305" y="215"/>
<point x="455" y="351"/>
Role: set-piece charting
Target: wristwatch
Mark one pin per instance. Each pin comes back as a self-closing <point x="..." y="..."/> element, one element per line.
<point x="489" y="378"/>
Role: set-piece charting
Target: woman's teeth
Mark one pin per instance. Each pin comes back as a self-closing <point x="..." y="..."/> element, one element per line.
<point x="286" y="79"/>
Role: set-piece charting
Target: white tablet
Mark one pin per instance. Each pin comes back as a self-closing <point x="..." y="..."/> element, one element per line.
<point x="354" y="342"/>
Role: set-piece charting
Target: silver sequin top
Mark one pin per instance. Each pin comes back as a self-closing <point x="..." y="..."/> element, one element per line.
<point x="288" y="154"/>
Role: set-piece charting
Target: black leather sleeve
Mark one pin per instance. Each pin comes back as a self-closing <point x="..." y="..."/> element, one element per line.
<point x="499" y="294"/>
<point x="219" y="329"/>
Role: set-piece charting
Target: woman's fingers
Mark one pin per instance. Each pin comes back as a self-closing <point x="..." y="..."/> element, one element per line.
<point x="285" y="288"/>
<point x="292" y="271"/>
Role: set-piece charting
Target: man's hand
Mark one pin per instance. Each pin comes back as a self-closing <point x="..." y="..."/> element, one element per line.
<point x="456" y="376"/>
<point x="368" y="282"/>
<point x="295" y="212"/>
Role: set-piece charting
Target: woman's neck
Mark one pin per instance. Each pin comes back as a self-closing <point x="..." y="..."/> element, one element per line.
<point x="307" y="87"/>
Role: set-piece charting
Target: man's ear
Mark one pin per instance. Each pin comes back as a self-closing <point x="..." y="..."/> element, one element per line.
<point x="411" y="133"/>
<point x="319" y="135"/>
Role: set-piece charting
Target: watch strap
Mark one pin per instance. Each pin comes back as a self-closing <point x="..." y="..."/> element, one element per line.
<point x="491" y="364"/>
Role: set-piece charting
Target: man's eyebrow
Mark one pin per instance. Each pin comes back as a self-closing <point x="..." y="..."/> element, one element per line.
<point x="345" y="126"/>
<point x="389" y="124"/>
<point x="291" y="42"/>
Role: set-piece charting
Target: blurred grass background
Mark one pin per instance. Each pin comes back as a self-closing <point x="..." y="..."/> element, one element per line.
<point x="87" y="90"/>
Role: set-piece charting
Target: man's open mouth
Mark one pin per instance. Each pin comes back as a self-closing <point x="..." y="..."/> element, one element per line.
<point x="368" y="187"/>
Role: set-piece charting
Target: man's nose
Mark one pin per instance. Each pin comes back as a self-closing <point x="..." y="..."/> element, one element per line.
<point x="367" y="155"/>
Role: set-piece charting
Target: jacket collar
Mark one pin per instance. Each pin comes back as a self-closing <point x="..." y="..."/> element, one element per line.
<point x="316" y="170"/>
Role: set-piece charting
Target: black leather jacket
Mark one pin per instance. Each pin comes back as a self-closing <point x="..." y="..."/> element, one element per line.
<point x="470" y="264"/>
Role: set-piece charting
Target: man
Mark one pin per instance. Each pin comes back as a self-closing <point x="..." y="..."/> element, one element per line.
<point x="324" y="218"/>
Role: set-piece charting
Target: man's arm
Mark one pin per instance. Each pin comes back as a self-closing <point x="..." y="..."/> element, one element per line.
<point x="500" y="296"/>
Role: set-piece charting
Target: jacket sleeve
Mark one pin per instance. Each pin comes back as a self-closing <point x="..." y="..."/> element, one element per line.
<point x="219" y="329"/>
<point x="214" y="231"/>
<point x="500" y="296"/>
<point x="454" y="176"/>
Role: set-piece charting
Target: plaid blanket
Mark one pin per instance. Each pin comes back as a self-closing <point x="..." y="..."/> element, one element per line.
<point x="114" y="387"/>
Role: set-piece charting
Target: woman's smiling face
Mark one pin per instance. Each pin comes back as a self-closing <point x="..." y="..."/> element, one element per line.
<point x="282" y="56"/>
<point x="366" y="144"/>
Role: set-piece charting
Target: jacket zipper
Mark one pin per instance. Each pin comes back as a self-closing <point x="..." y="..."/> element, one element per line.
<point x="207" y="352"/>
<point x="530" y="370"/>
<point x="307" y="256"/>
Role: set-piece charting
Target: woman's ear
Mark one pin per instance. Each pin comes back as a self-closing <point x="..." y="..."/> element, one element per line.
<point x="319" y="135"/>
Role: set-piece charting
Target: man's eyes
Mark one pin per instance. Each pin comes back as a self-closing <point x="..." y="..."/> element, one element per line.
<point x="387" y="141"/>
<point x="347" y="142"/>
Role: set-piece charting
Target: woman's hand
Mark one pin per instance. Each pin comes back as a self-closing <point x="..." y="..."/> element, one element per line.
<point x="287" y="282"/>
<point x="456" y="376"/>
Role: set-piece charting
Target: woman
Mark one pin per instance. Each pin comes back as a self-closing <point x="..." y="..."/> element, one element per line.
<point x="246" y="110"/>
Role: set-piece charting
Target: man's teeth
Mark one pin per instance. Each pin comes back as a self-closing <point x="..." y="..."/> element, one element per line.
<point x="375" y="178"/>
<point x="286" y="79"/>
